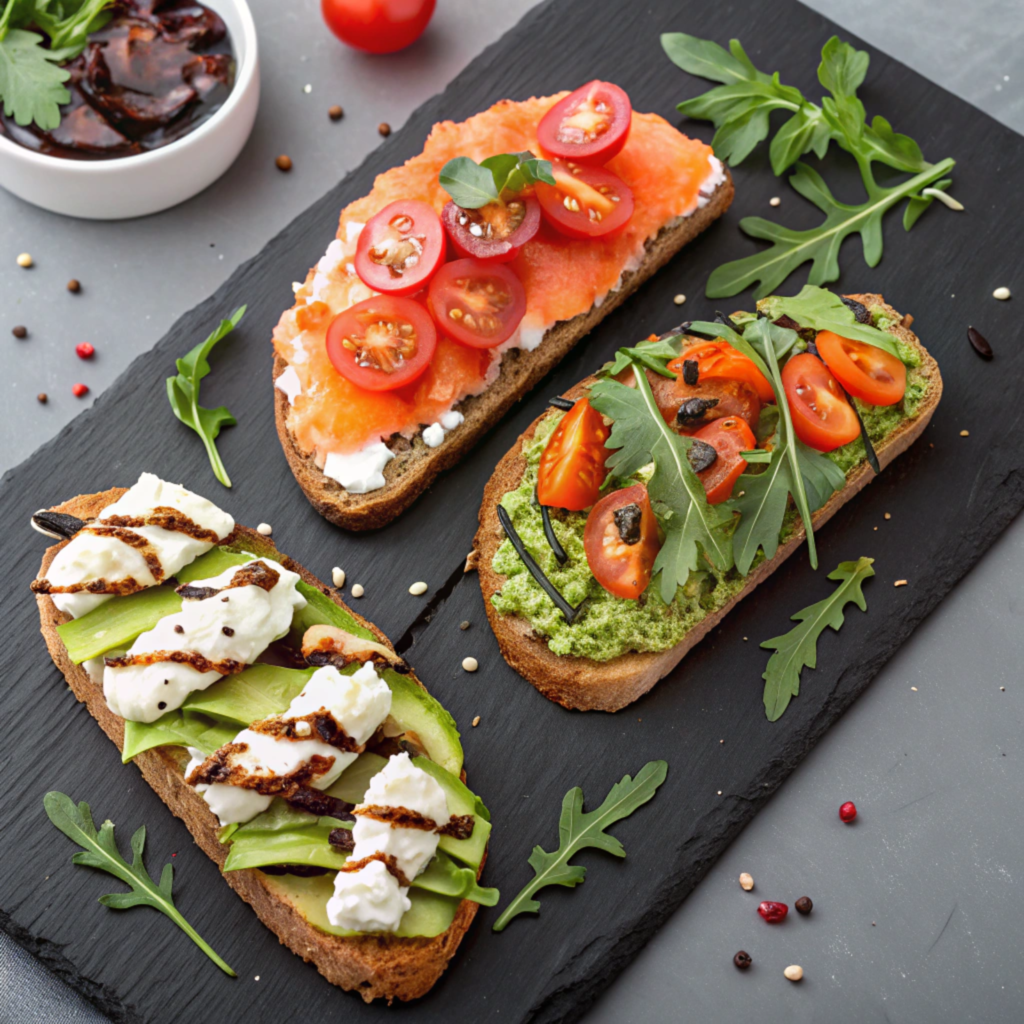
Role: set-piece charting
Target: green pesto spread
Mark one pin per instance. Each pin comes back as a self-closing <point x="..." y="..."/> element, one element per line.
<point x="611" y="626"/>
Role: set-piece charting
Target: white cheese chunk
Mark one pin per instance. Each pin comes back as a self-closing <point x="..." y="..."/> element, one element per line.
<point x="237" y="629"/>
<point x="91" y="557"/>
<point x="360" y="472"/>
<point x="451" y="420"/>
<point x="433" y="435"/>
<point x="290" y="384"/>
<point x="368" y="900"/>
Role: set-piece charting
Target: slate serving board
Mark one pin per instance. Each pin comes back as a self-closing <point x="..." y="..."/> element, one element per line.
<point x="949" y="498"/>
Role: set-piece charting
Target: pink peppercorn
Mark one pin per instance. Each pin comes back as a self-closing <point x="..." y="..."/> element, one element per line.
<point x="773" y="913"/>
<point x="848" y="812"/>
<point x="79" y="390"/>
<point x="85" y="350"/>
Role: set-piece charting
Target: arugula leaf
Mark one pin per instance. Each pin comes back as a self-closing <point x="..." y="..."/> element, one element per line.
<point x="791" y="248"/>
<point x="31" y="80"/>
<point x="655" y="355"/>
<point x="99" y="850"/>
<point x="798" y="648"/>
<point x="472" y="185"/>
<point x="579" y="830"/>
<point x="183" y="394"/>
<point x="640" y="436"/>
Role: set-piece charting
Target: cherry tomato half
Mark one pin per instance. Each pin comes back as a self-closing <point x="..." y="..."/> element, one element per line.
<point x="475" y="303"/>
<point x="719" y="360"/>
<point x="400" y="248"/>
<point x="571" y="467"/>
<point x="589" y="126"/>
<point x="822" y="416"/>
<point x="866" y="371"/>
<point x="621" y="541"/>
<point x="377" y="26"/>
<point x="585" y="202"/>
<point x="382" y="343"/>
<point x="495" y="232"/>
<point x="728" y="436"/>
<point x="733" y="398"/>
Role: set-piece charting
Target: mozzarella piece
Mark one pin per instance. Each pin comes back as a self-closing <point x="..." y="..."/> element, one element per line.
<point x="289" y="383"/>
<point x="364" y="900"/>
<point x="360" y="472"/>
<point x="91" y="557"/>
<point x="433" y="435"/>
<point x="237" y="629"/>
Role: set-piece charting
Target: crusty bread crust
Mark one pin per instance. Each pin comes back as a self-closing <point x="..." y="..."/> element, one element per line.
<point x="416" y="466"/>
<point x="375" y="966"/>
<point x="588" y="685"/>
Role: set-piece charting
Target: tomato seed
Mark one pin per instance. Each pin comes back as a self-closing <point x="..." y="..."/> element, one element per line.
<point x="85" y="350"/>
<point x="848" y="812"/>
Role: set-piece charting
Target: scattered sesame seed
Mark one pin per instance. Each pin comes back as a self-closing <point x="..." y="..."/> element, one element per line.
<point x="264" y="529"/>
<point x="679" y="299"/>
<point x="464" y="625"/>
<point x="775" y="201"/>
<point x="307" y="88"/>
<point x="470" y="664"/>
<point x="257" y="978"/>
<point x="965" y="433"/>
<point x="721" y="741"/>
<point x="303" y="729"/>
<point x="284" y="162"/>
<point x="794" y="972"/>
<point x="80" y="390"/>
<point x="20" y="332"/>
<point x="914" y="688"/>
<point x="1000" y="293"/>
<point x="888" y="515"/>
<point x="746" y="881"/>
<point x="25" y="260"/>
<point x="1002" y="689"/>
<point x="476" y="721"/>
<point x="900" y="583"/>
<point x="358" y="590"/>
<point x="338" y="577"/>
<point x="418" y="588"/>
<point x="719" y="792"/>
<point x="744" y="639"/>
<point x="41" y="398"/>
<point x="876" y="529"/>
<point x="74" y="286"/>
<point x="335" y="113"/>
<point x="384" y="128"/>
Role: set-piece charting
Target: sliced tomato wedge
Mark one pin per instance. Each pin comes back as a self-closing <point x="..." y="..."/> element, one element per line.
<point x="728" y="436"/>
<point x="589" y="125"/>
<point x="400" y="248"/>
<point x="866" y="371"/>
<point x="475" y="303"/>
<point x="571" y="467"/>
<point x="718" y="360"/>
<point x="822" y="415"/>
<point x="495" y="232"/>
<point x="382" y="343"/>
<point x="621" y="541"/>
<point x="585" y="202"/>
<point x="731" y="398"/>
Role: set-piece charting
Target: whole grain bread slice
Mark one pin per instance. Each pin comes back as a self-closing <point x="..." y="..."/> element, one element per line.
<point x="416" y="465"/>
<point x="377" y="967"/>
<point x="588" y="685"/>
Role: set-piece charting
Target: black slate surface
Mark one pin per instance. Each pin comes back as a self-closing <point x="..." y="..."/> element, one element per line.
<point x="949" y="498"/>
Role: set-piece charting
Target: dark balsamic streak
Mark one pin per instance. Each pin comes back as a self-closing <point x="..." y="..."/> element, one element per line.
<point x="535" y="570"/>
<point x="549" y="534"/>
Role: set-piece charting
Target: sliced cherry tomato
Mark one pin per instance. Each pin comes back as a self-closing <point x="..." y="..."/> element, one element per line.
<point x="728" y="436"/>
<point x="621" y="541"/>
<point x="719" y="360"/>
<point x="382" y="343"/>
<point x="822" y="415"/>
<point x="731" y="397"/>
<point x="585" y="202"/>
<point x="496" y="232"/>
<point x="377" y="26"/>
<point x="400" y="248"/>
<point x="590" y="125"/>
<point x="475" y="303"/>
<point x="572" y="465"/>
<point x="866" y="371"/>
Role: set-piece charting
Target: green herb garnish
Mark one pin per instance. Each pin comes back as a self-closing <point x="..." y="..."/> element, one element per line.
<point x="798" y="648"/>
<point x="472" y="185"/>
<point x="183" y="394"/>
<point x="740" y="109"/>
<point x="579" y="830"/>
<point x="31" y="78"/>
<point x="99" y="850"/>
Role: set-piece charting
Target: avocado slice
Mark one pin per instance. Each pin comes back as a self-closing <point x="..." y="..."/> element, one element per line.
<point x="414" y="710"/>
<point x="461" y="800"/>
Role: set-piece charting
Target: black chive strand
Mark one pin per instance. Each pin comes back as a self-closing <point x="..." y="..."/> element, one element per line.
<point x="721" y="318"/>
<point x="535" y="570"/>
<point x="565" y="404"/>
<point x="549" y="534"/>
<point x="58" y="525"/>
<point x="869" y="448"/>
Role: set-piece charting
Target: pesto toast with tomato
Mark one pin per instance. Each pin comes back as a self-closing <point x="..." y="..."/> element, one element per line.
<point x="304" y="756"/>
<point x="465" y="276"/>
<point x="633" y="515"/>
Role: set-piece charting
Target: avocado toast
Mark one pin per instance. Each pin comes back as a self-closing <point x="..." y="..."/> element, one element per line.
<point x="615" y="648"/>
<point x="282" y="838"/>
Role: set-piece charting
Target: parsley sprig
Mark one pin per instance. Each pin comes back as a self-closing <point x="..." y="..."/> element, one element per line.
<point x="99" y="850"/>
<point x="31" y="77"/>
<point x="472" y="185"/>
<point x="740" y="108"/>
<point x="798" y="649"/>
<point x="579" y="830"/>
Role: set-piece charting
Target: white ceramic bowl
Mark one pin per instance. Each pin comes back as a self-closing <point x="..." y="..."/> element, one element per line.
<point x="134" y="186"/>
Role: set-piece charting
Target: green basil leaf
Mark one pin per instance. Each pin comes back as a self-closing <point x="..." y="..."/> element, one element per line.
<point x="468" y="183"/>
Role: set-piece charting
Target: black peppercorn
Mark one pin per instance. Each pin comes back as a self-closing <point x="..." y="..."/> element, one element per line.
<point x="228" y="631"/>
<point x="804" y="905"/>
<point x="179" y="628"/>
<point x="690" y="371"/>
<point x="694" y="409"/>
<point x="742" y="960"/>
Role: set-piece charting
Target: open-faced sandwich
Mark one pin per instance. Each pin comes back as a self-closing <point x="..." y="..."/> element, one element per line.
<point x="302" y="753"/>
<point x="456" y="285"/>
<point x="631" y="517"/>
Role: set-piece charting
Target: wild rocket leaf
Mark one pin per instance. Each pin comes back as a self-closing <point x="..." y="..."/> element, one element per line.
<point x="798" y="649"/>
<point x="183" y="394"/>
<point x="99" y="850"/>
<point x="579" y="830"/>
<point x="641" y="436"/>
<point x="472" y="185"/>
